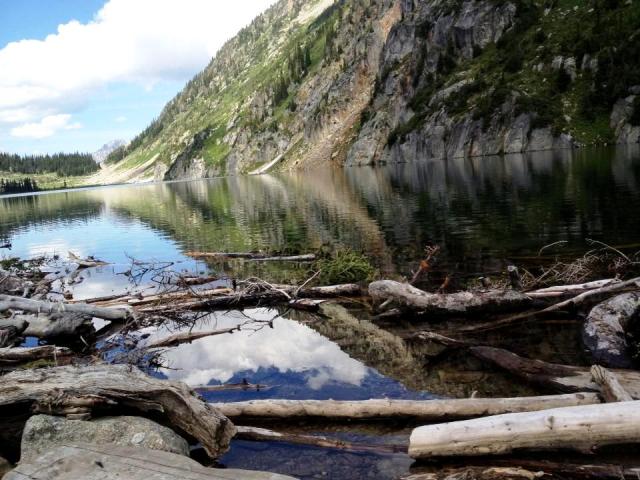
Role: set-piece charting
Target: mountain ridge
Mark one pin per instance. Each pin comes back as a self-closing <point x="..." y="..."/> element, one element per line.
<point x="360" y="82"/>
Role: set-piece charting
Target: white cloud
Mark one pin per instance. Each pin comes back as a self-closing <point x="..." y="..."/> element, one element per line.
<point x="120" y="119"/>
<point x="139" y="41"/>
<point x="45" y="127"/>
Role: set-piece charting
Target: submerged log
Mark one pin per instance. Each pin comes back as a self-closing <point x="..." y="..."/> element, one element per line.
<point x="557" y="377"/>
<point x="610" y="387"/>
<point x="260" y="257"/>
<point x="256" y="434"/>
<point x="113" y="389"/>
<point x="581" y="428"/>
<point x="407" y="297"/>
<point x="8" y="302"/>
<point x="426" y="410"/>
<point x="604" y="331"/>
<point x="19" y="355"/>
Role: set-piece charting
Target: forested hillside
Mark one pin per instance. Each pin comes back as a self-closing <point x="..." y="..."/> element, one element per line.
<point x="63" y="164"/>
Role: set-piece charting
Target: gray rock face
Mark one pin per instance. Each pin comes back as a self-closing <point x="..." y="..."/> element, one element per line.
<point x="622" y="111"/>
<point x="43" y="433"/>
<point x="87" y="461"/>
<point x="603" y="333"/>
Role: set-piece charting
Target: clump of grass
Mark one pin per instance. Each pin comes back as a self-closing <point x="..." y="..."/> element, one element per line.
<point x="344" y="266"/>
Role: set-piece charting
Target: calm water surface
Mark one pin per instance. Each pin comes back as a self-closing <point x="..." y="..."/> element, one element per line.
<point x="482" y="212"/>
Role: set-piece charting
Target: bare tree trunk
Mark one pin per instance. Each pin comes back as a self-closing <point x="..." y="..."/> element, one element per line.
<point x="579" y="428"/>
<point x="427" y="410"/>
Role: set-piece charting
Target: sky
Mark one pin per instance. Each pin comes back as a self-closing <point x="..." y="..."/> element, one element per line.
<point x="76" y="74"/>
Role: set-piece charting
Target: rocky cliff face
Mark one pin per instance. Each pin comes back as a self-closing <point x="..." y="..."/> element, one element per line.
<point x="359" y="82"/>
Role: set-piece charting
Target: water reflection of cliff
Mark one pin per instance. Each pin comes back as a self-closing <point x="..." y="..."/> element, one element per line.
<point x="478" y="209"/>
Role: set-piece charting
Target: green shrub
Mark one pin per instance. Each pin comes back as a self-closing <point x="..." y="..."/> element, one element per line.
<point x="344" y="266"/>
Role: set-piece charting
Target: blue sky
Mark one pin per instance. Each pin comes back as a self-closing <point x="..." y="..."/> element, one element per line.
<point x="75" y="74"/>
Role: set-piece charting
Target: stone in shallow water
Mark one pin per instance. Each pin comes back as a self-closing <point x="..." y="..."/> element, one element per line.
<point x="112" y="462"/>
<point x="43" y="433"/>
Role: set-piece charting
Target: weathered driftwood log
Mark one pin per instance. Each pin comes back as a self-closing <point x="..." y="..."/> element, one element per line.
<point x="256" y="434"/>
<point x="18" y="355"/>
<point x="427" y="410"/>
<point x="8" y="302"/>
<point x="406" y="297"/>
<point x="53" y="325"/>
<point x="578" y="428"/>
<point x="11" y="331"/>
<point x="114" y="388"/>
<point x="112" y="462"/>
<point x="610" y="387"/>
<point x="604" y="331"/>
<point x="562" y="290"/>
<point x="563" y="378"/>
<point x="261" y="257"/>
<point x="187" y="337"/>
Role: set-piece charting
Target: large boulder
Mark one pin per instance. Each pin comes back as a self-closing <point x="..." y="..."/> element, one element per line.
<point x="44" y="432"/>
<point x="112" y="462"/>
<point x="604" y="331"/>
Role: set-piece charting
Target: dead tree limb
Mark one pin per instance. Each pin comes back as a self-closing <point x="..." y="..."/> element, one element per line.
<point x="259" y="257"/>
<point x="610" y="387"/>
<point x="556" y="377"/>
<point x="187" y="337"/>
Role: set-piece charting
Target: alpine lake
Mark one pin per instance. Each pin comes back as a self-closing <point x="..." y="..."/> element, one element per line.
<point x="483" y="213"/>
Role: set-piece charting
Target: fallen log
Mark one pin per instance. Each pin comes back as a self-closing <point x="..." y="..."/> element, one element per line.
<point x="8" y="302"/>
<point x="426" y="410"/>
<point x="610" y="387"/>
<point x="261" y="257"/>
<point x="19" y="355"/>
<point x="113" y="389"/>
<point x="604" y="331"/>
<point x="407" y="297"/>
<point x="187" y="337"/>
<point x="255" y="434"/>
<point x="54" y="325"/>
<point x="581" y="428"/>
<point x="557" y="377"/>
<point x="244" y="386"/>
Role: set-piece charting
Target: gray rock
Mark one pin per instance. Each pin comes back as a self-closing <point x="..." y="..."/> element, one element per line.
<point x="44" y="432"/>
<point x="603" y="333"/>
<point x="87" y="461"/>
